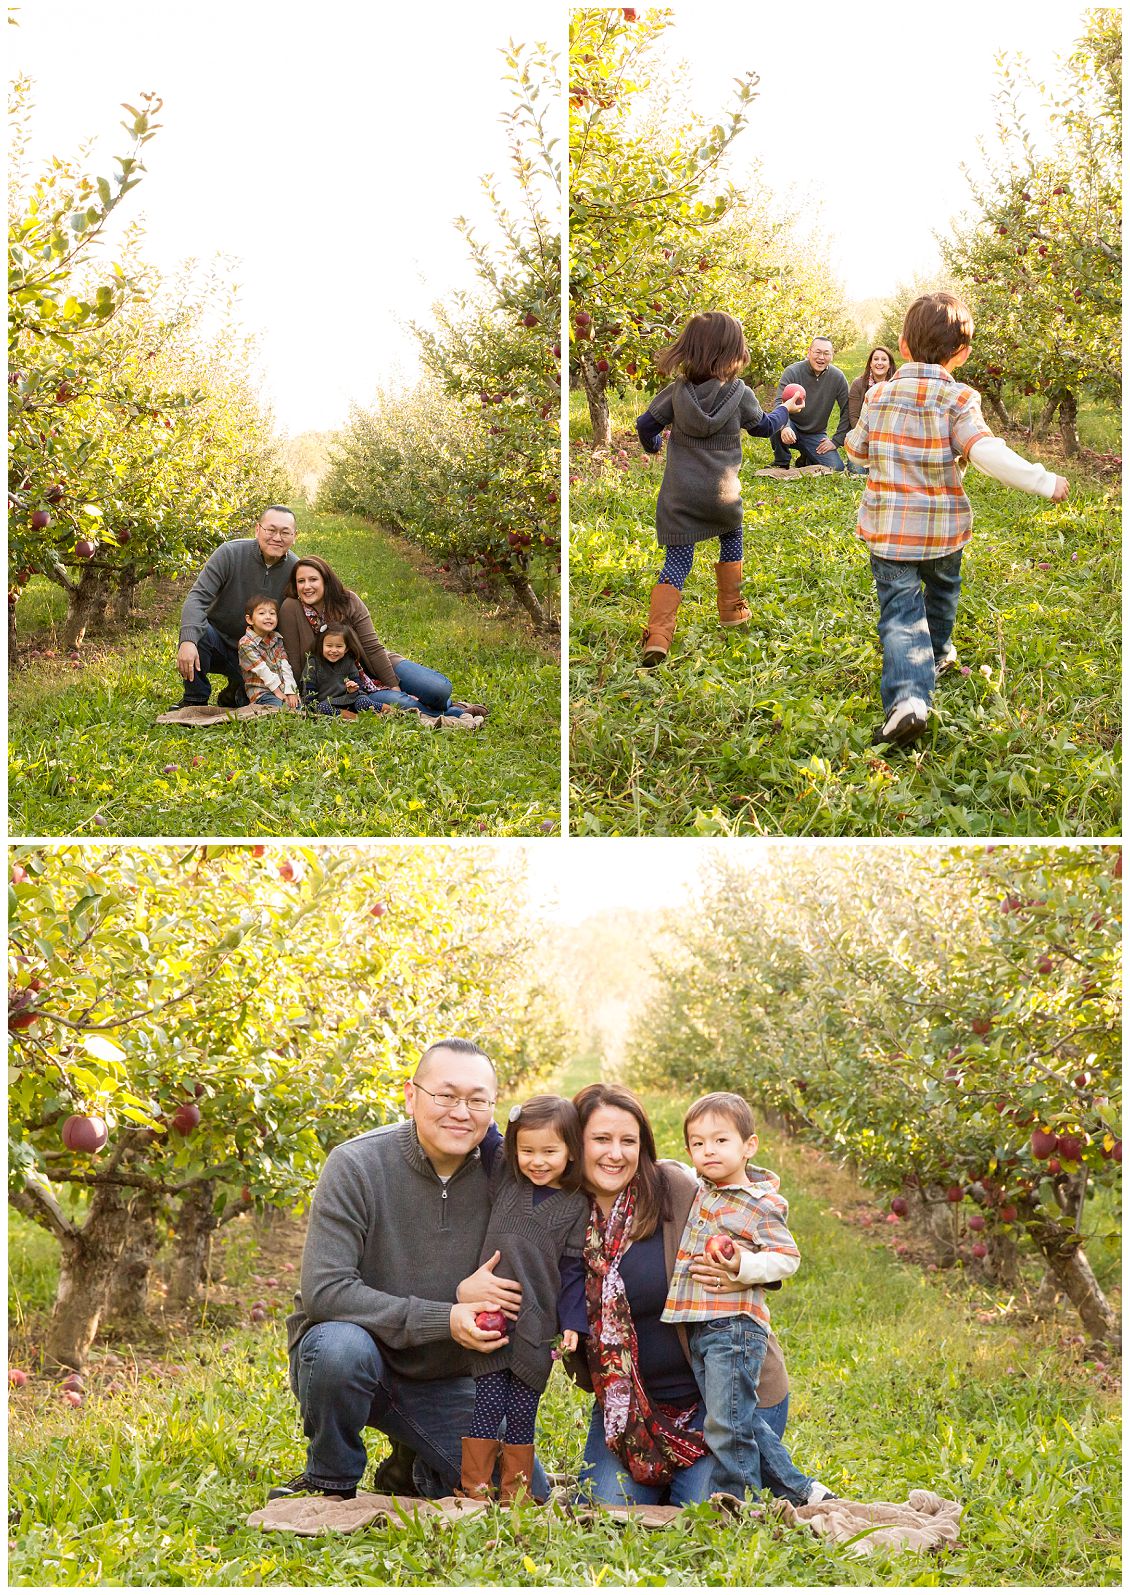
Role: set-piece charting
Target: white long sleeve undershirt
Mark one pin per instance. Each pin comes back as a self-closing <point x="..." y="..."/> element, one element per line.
<point x="758" y="1268"/>
<point x="994" y="457"/>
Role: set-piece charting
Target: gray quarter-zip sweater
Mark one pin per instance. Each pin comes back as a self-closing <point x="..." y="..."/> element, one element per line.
<point x="387" y="1243"/>
<point x="231" y="574"/>
<point x="822" y="391"/>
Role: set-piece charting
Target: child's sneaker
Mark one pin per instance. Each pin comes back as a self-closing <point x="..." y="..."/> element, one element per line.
<point x="904" y="725"/>
<point x="818" y="1492"/>
<point x="946" y="662"/>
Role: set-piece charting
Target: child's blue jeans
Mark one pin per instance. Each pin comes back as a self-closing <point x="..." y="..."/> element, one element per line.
<point x="726" y="1355"/>
<point x="917" y="609"/>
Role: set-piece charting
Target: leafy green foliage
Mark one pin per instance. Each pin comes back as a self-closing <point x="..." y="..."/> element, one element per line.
<point x="656" y="229"/>
<point x="767" y="729"/>
<point x="927" y="1014"/>
<point x="896" y="1385"/>
<point x="467" y="463"/>
<point x="86" y="756"/>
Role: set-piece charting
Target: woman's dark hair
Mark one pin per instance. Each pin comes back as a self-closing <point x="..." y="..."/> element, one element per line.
<point x="653" y="1199"/>
<point x="335" y="628"/>
<point x="712" y="344"/>
<point x="880" y="348"/>
<point x="335" y="603"/>
<point x="548" y="1113"/>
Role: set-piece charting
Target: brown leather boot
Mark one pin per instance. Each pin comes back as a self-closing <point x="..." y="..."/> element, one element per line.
<point x="517" y="1471"/>
<point x="732" y="607"/>
<point x="479" y="1458"/>
<point x="665" y="601"/>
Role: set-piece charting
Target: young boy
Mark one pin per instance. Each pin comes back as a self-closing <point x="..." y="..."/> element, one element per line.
<point x="267" y="677"/>
<point x="917" y="433"/>
<point x="728" y="1329"/>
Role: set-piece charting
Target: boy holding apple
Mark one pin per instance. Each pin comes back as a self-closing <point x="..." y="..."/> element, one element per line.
<point x="741" y="1216"/>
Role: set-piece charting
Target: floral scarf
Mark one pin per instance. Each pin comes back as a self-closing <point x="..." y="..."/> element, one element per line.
<point x="651" y="1439"/>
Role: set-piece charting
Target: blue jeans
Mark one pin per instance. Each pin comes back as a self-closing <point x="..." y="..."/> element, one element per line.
<point x="726" y="1355"/>
<point x="429" y="686"/>
<point x="805" y="446"/>
<point x="220" y="657"/>
<point x="268" y="700"/>
<point x="917" y="608"/>
<point x="344" y="1385"/>
<point x="604" y="1480"/>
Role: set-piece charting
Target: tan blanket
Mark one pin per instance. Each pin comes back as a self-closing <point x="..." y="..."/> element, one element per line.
<point x="779" y="474"/>
<point x="922" y="1523"/>
<point x="210" y="714"/>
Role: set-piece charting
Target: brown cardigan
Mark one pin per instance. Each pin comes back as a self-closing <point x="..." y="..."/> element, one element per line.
<point x="298" y="639"/>
<point x="774" y="1383"/>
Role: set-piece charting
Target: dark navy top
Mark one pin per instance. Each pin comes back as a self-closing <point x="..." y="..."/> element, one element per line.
<point x="664" y="1370"/>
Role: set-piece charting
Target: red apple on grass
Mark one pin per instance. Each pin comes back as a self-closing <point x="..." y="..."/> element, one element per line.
<point x="493" y="1322"/>
<point x="16" y="1377"/>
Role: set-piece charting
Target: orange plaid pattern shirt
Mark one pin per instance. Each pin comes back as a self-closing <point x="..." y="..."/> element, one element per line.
<point x="757" y="1215"/>
<point x="914" y="435"/>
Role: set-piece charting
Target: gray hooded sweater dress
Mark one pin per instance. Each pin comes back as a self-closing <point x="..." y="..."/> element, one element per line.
<point x="701" y="494"/>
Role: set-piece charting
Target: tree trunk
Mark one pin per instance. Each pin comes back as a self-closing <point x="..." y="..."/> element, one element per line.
<point x="1044" y="424"/>
<point x="996" y="405"/>
<point x="519" y="584"/>
<point x="12" y="638"/>
<point x="1068" y="419"/>
<point x="1004" y="1260"/>
<point x="89" y="1259"/>
<point x="194" y="1224"/>
<point x="122" y="604"/>
<point x="939" y="1221"/>
<point x="86" y="601"/>
<point x="1062" y="1251"/>
<point x="596" y="393"/>
<point x="129" y="1291"/>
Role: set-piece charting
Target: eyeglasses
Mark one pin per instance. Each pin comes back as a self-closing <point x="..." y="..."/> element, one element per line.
<point x="446" y="1100"/>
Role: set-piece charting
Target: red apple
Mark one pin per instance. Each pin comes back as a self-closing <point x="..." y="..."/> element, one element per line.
<point x="793" y="391"/>
<point x="980" y="1250"/>
<point x="1044" y="965"/>
<point x="186" y="1118"/>
<point x="377" y="910"/>
<point x="286" y="870"/>
<point x="1008" y="1214"/>
<point x="83" y="1133"/>
<point x="954" y="1194"/>
<point x="19" y="874"/>
<point x="719" y="1248"/>
<point x="84" y="548"/>
<point x="258" y="1315"/>
<point x="529" y="319"/>
<point x="977" y="1221"/>
<point x="17" y="1377"/>
<point x="72" y="1397"/>
<point x="54" y="493"/>
<point x="602" y="365"/>
<point x="900" y="1205"/>
<point x="40" y="520"/>
<point x="493" y="1322"/>
<point x="1054" y="1166"/>
<point x="1043" y="1143"/>
<point x="982" y="1025"/>
<point x="1070" y="1148"/>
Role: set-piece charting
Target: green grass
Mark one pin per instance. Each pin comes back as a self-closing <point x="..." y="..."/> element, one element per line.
<point x="900" y="1380"/>
<point x="767" y="730"/>
<point x="83" y="746"/>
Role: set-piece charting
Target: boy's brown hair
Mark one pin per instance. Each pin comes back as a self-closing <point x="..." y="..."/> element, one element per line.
<point x="547" y="1113"/>
<point x="257" y="599"/>
<point x="726" y="1105"/>
<point x="936" y="327"/>
<point x="712" y="344"/>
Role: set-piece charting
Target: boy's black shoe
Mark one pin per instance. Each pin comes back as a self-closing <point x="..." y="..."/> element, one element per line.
<point x="189" y="703"/>
<point x="302" y="1486"/>
<point x="232" y="698"/>
<point x="904" y="725"/>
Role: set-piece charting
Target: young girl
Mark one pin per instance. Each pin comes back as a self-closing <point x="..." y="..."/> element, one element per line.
<point x="707" y="408"/>
<point x="336" y="681"/>
<point x="538" y="1222"/>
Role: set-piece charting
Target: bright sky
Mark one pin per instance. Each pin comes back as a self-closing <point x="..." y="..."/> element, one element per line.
<point x="879" y="168"/>
<point x="328" y="147"/>
<point x="571" y="879"/>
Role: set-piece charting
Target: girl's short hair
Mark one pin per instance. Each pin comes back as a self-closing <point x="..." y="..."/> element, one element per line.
<point x="653" y="1199"/>
<point x="256" y="600"/>
<point x="547" y="1113"/>
<point x="726" y="1105"/>
<point x="712" y="344"/>
<point x="337" y="628"/>
<point x="335" y="603"/>
<point x="881" y="348"/>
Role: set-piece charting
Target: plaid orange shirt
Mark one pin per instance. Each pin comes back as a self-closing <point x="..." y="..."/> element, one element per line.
<point x="756" y="1214"/>
<point x="914" y="435"/>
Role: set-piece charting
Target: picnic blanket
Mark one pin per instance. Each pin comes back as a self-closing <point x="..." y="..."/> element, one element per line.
<point x="210" y="714"/>
<point x="922" y="1523"/>
<point x="779" y="473"/>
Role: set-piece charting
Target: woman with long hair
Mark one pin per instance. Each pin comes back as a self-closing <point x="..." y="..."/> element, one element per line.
<point x="645" y="1441"/>
<point x="315" y="597"/>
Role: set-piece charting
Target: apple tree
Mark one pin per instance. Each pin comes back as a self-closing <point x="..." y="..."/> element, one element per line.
<point x="192" y="1029"/>
<point x="467" y="464"/>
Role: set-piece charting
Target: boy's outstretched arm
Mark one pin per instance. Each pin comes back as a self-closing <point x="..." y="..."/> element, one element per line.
<point x="993" y="456"/>
<point x="650" y="433"/>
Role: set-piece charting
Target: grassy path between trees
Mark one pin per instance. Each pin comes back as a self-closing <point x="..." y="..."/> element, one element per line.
<point x="767" y="730"/>
<point x="900" y="1380"/>
<point x="87" y="760"/>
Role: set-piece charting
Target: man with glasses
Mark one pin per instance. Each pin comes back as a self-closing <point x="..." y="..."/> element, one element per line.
<point x="391" y="1285"/>
<point x="212" y="619"/>
<point x="824" y="386"/>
